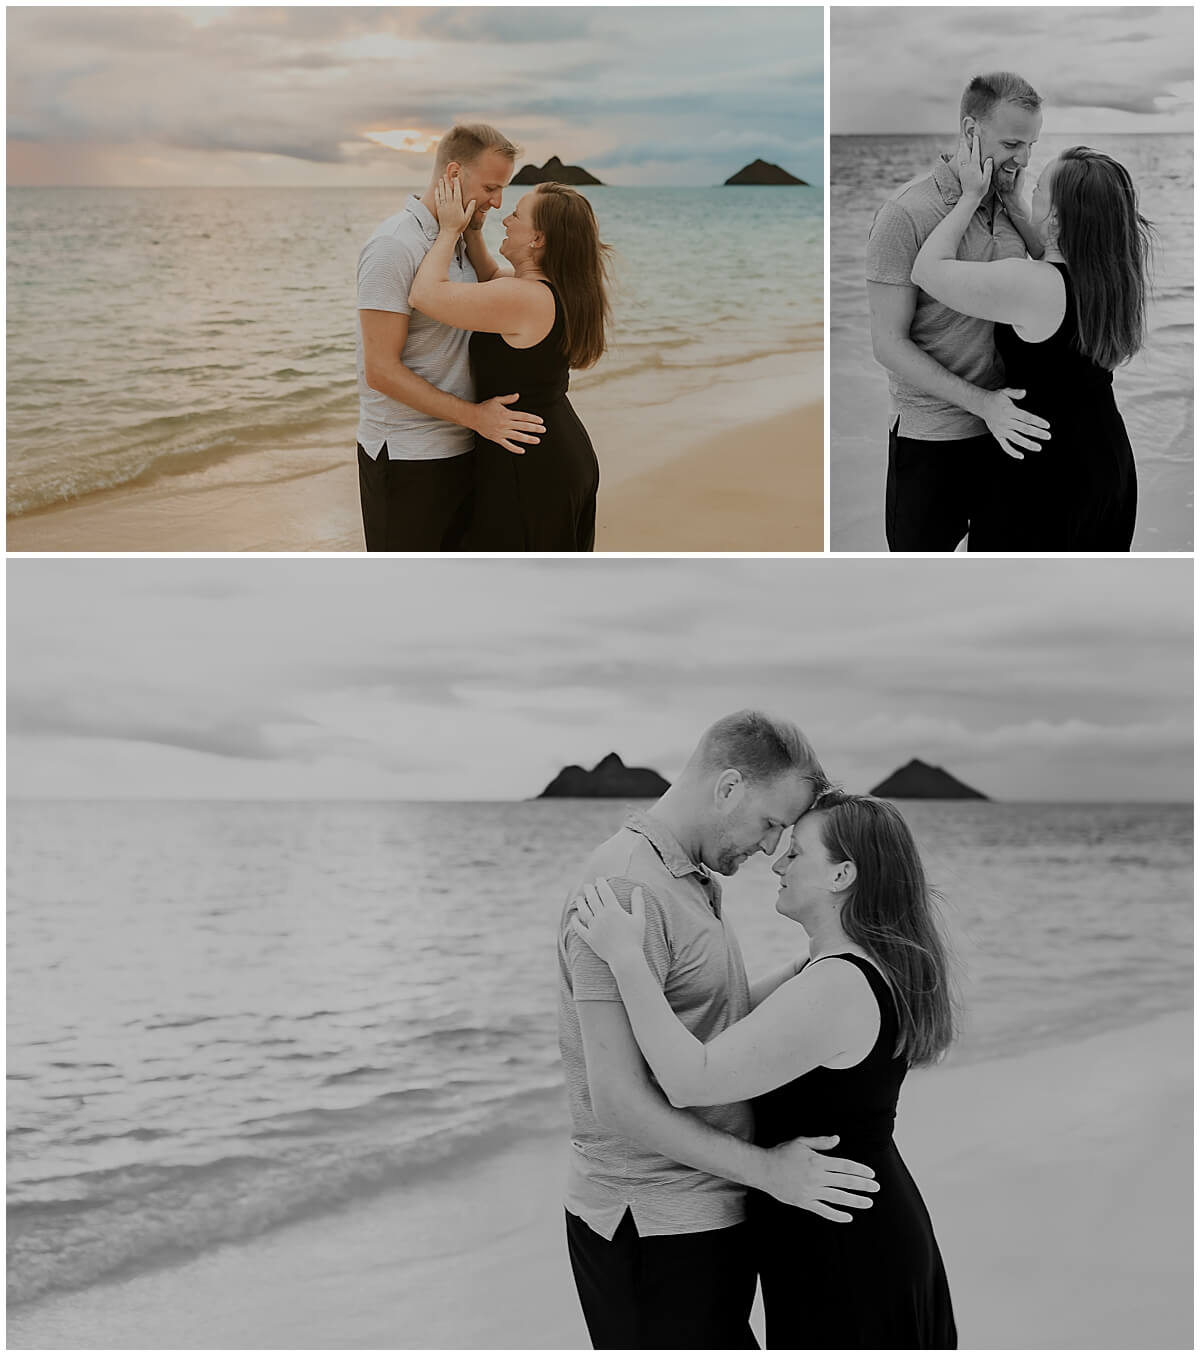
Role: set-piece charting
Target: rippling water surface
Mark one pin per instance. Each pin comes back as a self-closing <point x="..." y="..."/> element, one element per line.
<point x="154" y="330"/>
<point x="222" y="1017"/>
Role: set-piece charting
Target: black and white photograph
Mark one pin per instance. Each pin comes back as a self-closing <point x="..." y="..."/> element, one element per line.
<point x="634" y="953"/>
<point x="1011" y="279"/>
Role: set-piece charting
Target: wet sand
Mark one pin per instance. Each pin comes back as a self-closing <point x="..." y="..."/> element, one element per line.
<point x="694" y="471"/>
<point x="1058" y="1181"/>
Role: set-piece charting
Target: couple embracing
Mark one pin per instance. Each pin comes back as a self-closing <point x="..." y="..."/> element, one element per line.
<point x="466" y="437"/>
<point x="705" y="1105"/>
<point x="1000" y="315"/>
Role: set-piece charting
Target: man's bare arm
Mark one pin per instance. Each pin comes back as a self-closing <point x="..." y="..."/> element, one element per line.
<point x="765" y="985"/>
<point x="625" y="1100"/>
<point x="384" y="334"/>
<point x="486" y="266"/>
<point x="1013" y="198"/>
<point x="892" y="310"/>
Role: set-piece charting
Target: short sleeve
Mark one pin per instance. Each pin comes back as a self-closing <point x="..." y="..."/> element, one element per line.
<point x="386" y="269"/>
<point x="591" y="979"/>
<point x="892" y="246"/>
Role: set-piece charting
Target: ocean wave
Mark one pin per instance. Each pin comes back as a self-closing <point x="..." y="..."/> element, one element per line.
<point x="366" y="1071"/>
<point x="108" y="1224"/>
<point x="193" y="443"/>
<point x="634" y="361"/>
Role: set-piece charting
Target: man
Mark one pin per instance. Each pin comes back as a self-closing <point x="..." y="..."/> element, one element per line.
<point x="943" y="371"/>
<point x="417" y="418"/>
<point x="655" y="1195"/>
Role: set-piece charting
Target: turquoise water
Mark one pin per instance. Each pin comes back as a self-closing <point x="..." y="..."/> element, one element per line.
<point x="1154" y="391"/>
<point x="154" y="330"/>
<point x="223" y="1017"/>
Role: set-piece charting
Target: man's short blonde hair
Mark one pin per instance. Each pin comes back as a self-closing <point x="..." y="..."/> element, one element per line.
<point x="466" y="142"/>
<point x="762" y="748"/>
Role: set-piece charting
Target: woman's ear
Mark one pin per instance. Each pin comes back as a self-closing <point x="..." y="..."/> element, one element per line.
<point x="844" y="876"/>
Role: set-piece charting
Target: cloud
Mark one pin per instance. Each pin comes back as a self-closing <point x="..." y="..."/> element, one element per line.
<point x="508" y="25"/>
<point x="485" y="677"/>
<point x="903" y="70"/>
<point x="1098" y="95"/>
<point x="133" y="89"/>
<point x="128" y="714"/>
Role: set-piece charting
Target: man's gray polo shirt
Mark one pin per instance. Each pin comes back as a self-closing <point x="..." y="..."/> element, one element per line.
<point x="695" y="956"/>
<point x="961" y="343"/>
<point x="439" y="353"/>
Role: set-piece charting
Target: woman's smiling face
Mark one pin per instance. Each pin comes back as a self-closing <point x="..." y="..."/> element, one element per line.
<point x="521" y="238"/>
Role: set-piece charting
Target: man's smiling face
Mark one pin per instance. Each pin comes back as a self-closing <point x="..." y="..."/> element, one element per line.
<point x="1006" y="135"/>
<point x="483" y="180"/>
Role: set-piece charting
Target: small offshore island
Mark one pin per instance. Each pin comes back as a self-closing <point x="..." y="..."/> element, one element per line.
<point x="763" y="172"/>
<point x="920" y="781"/>
<point x="554" y="172"/>
<point x="609" y="779"/>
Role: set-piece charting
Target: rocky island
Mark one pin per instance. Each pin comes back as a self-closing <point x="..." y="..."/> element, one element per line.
<point x="609" y="779"/>
<point x="919" y="781"/>
<point x="554" y="172"/>
<point x="761" y="172"/>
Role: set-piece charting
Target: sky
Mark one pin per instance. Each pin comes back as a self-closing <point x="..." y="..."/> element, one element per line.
<point x="468" y="679"/>
<point x="1124" y="68"/>
<point x="358" y="96"/>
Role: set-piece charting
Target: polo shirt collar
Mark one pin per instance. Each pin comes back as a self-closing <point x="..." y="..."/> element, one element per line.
<point x="425" y="218"/>
<point x="945" y="176"/>
<point x="664" y="842"/>
<point x="429" y="226"/>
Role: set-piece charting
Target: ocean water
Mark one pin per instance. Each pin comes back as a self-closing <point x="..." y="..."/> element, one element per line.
<point x="1154" y="391"/>
<point x="226" y="1016"/>
<point x="153" y="331"/>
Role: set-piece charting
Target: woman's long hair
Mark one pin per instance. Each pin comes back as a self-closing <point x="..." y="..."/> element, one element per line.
<point x="1105" y="242"/>
<point x="575" y="260"/>
<point x="891" y="913"/>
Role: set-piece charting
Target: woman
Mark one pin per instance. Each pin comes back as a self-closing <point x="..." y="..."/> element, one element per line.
<point x="534" y="319"/>
<point x="1065" y="320"/>
<point x="824" y="1053"/>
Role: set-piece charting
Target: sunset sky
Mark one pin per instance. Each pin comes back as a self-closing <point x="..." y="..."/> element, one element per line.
<point x="445" y="679"/>
<point x="358" y="96"/>
<point x="1119" y="69"/>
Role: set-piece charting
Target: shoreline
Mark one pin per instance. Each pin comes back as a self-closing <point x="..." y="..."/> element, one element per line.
<point x="1015" y="1157"/>
<point x="661" y="460"/>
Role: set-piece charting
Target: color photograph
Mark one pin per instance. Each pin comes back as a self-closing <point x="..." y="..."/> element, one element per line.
<point x="1011" y="279"/>
<point x="216" y="222"/>
<point x="417" y="983"/>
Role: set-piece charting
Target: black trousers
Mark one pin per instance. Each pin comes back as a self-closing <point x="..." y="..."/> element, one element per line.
<point x="415" y="505"/>
<point x="932" y="489"/>
<point x="664" y="1293"/>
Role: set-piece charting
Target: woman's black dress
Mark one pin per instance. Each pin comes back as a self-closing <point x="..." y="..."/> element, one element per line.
<point x="877" y="1281"/>
<point x="1078" y="492"/>
<point x="545" y="498"/>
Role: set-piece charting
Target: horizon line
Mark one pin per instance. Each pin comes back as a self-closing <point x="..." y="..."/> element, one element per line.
<point x="1054" y="132"/>
<point x="338" y="188"/>
<point x="525" y="800"/>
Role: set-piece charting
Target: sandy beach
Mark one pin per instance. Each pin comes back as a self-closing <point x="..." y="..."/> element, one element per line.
<point x="731" y="461"/>
<point x="1017" y="1159"/>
